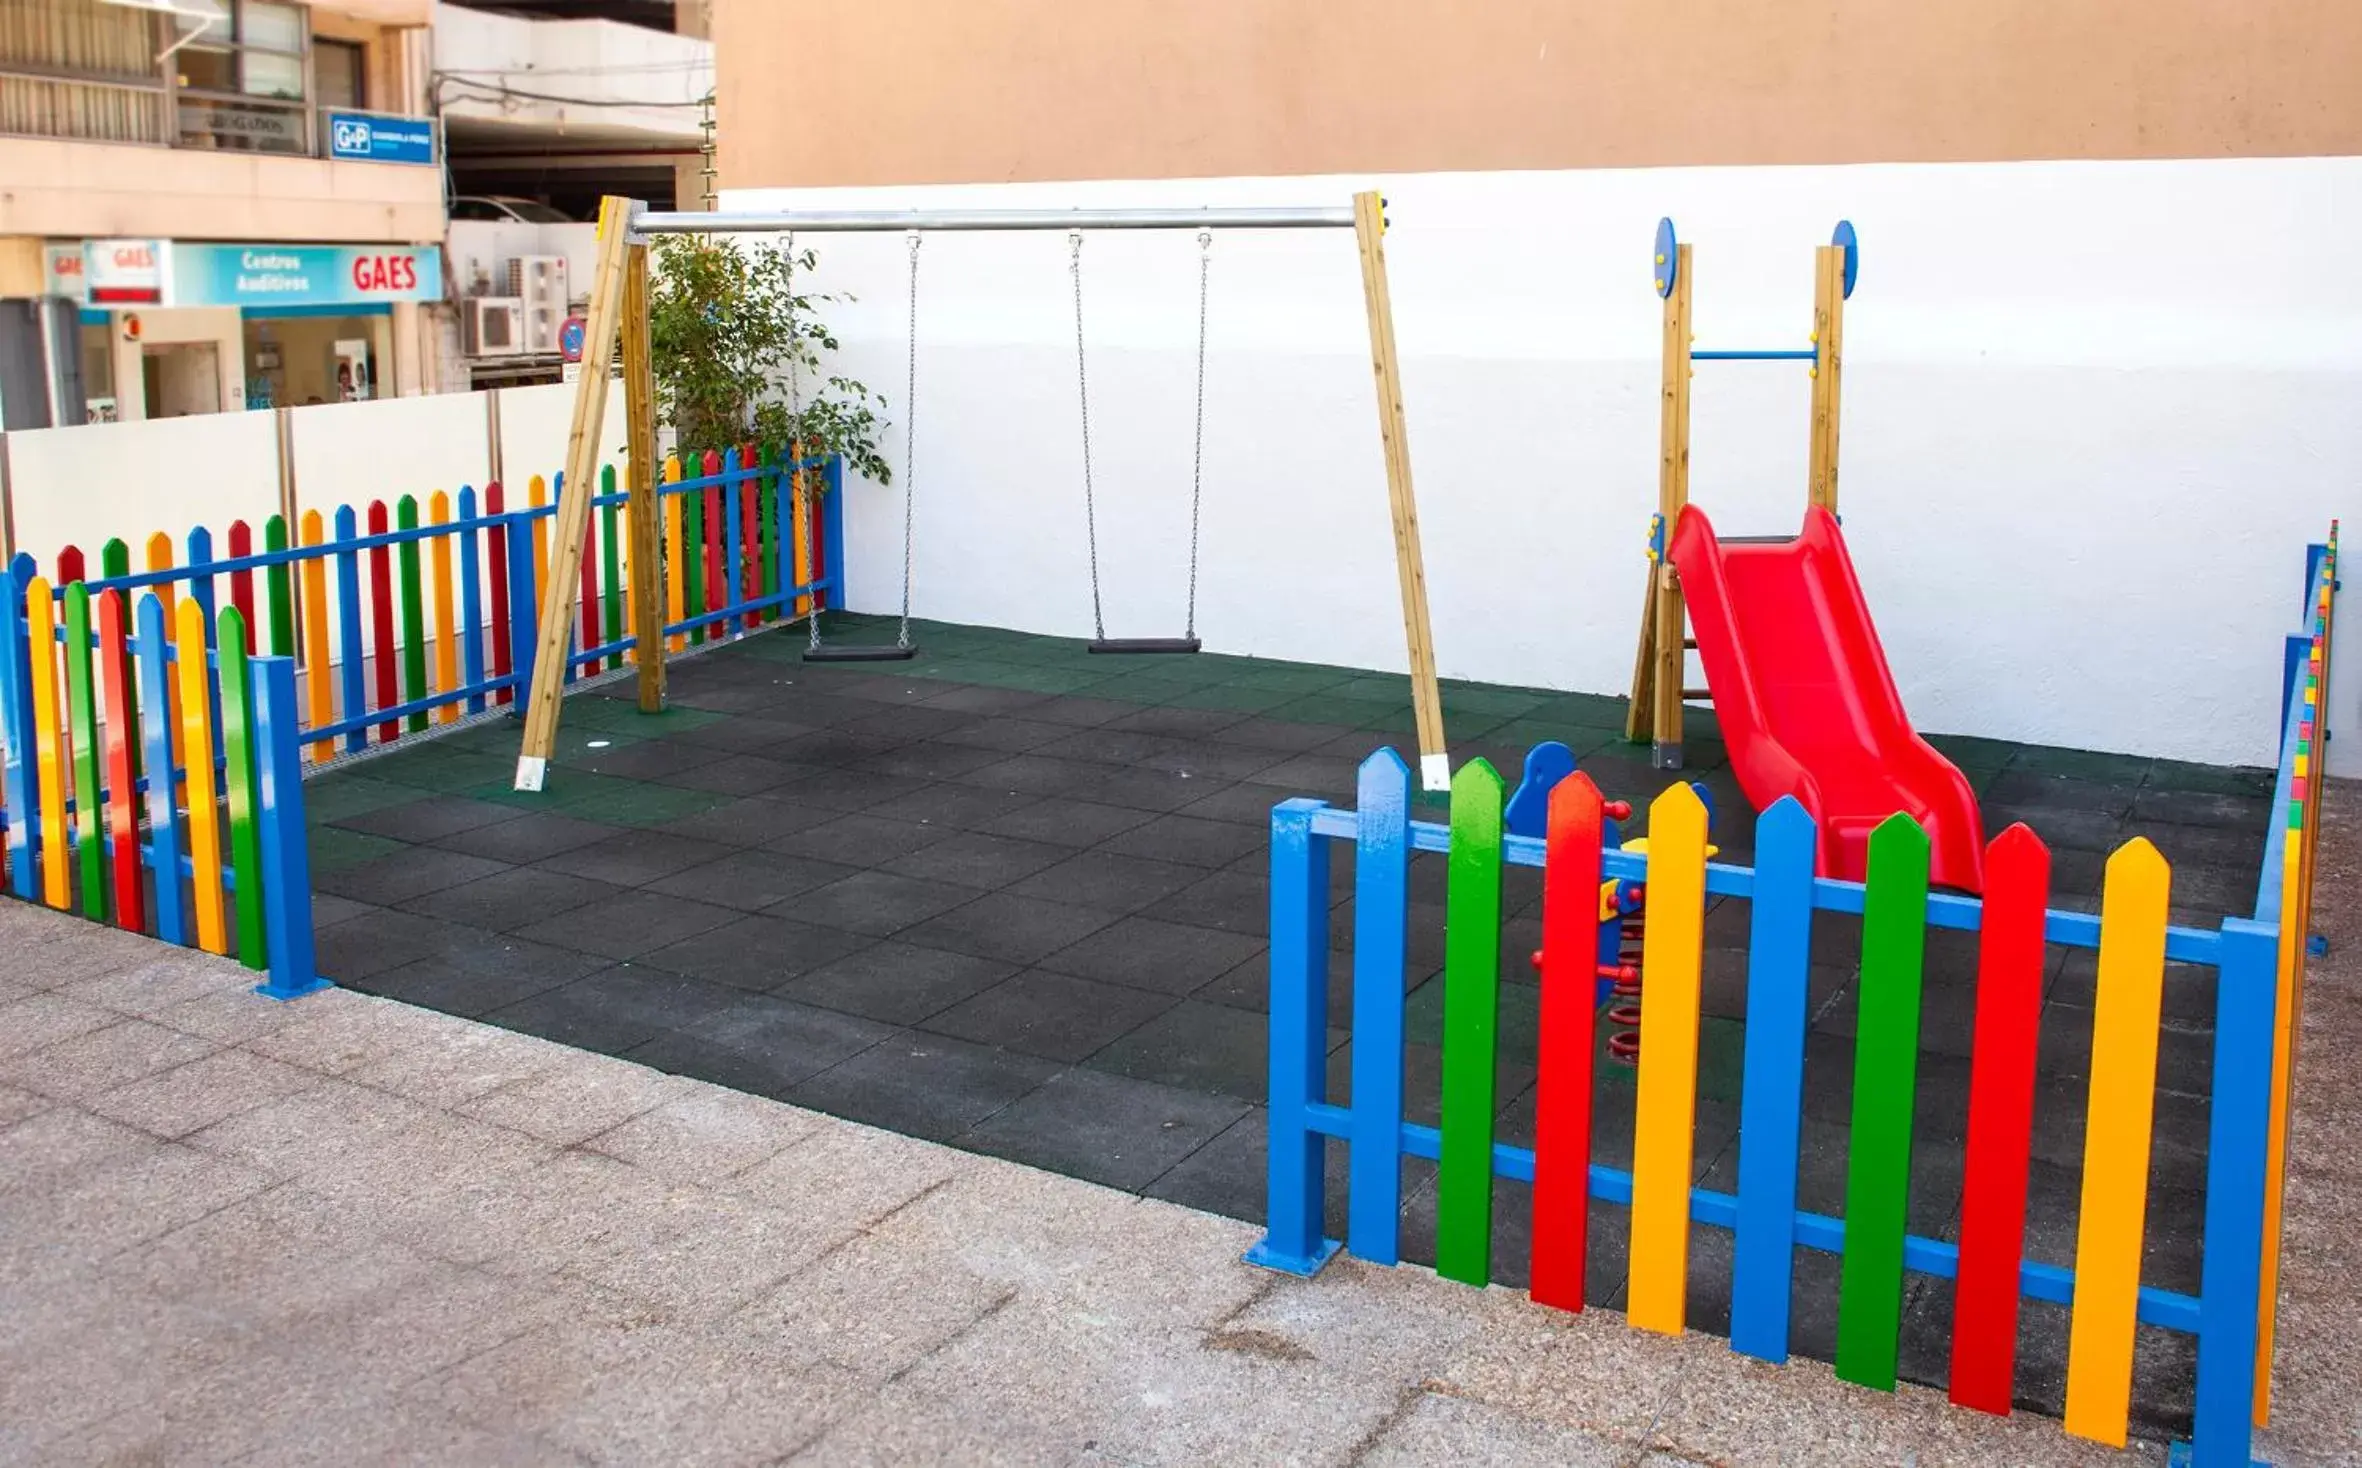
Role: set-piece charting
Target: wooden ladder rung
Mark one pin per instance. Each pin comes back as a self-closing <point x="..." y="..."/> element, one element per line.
<point x="1689" y="642"/>
<point x="1690" y="693"/>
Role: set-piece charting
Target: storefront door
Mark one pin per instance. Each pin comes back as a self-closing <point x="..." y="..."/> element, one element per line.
<point x="181" y="378"/>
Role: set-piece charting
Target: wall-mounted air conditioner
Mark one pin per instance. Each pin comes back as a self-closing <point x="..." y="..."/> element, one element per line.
<point x="493" y="326"/>
<point x="540" y="281"/>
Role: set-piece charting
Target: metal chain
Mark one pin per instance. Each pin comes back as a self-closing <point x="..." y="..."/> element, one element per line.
<point x="795" y="441"/>
<point x="910" y="391"/>
<point x="1082" y="380"/>
<point x="1197" y="461"/>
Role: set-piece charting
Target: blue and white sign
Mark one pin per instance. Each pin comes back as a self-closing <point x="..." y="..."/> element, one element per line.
<point x="374" y="137"/>
<point x="264" y="276"/>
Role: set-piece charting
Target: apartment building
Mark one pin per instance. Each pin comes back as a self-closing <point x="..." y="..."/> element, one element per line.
<point x="208" y="205"/>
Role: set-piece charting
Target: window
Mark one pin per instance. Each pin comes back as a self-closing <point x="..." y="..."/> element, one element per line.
<point x="242" y="65"/>
<point x="338" y="78"/>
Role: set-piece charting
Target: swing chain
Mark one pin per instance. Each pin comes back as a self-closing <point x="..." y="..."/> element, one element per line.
<point x="1082" y="377"/>
<point x="910" y="391"/>
<point x="1197" y="462"/>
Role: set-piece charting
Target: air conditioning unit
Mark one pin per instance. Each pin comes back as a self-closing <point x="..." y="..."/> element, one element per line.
<point x="540" y="282"/>
<point x="493" y="326"/>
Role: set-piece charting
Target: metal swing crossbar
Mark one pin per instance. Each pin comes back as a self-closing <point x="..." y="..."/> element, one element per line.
<point x="619" y="305"/>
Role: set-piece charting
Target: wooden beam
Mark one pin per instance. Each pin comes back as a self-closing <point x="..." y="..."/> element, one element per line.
<point x="559" y="587"/>
<point x="1655" y="711"/>
<point x="1369" y="232"/>
<point x="1828" y="372"/>
<point x="647" y="561"/>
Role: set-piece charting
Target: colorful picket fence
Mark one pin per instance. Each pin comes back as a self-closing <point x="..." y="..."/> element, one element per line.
<point x="442" y="598"/>
<point x="2258" y="997"/>
<point x="154" y="775"/>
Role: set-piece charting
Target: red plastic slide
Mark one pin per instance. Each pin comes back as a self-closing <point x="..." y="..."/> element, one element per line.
<point x="1806" y="703"/>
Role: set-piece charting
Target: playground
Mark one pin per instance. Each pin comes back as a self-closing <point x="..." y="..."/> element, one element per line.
<point x="1735" y="1005"/>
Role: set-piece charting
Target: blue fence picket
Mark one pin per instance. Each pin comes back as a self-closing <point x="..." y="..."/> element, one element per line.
<point x="1771" y="1101"/>
<point x="151" y="659"/>
<point x="200" y="574"/>
<point x="16" y="728"/>
<point x="348" y="626"/>
<point x="471" y="599"/>
<point x="523" y="607"/>
<point x="2230" y="1280"/>
<point x="1299" y="1042"/>
<point x="1381" y="931"/>
<point x="286" y="854"/>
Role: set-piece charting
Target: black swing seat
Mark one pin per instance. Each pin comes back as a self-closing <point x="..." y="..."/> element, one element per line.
<point x="1144" y="644"/>
<point x="888" y="653"/>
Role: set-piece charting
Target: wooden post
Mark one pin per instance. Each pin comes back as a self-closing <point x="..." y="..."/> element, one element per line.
<point x="1369" y="232"/>
<point x="647" y="561"/>
<point x="1828" y="367"/>
<point x="1658" y="670"/>
<point x="573" y="518"/>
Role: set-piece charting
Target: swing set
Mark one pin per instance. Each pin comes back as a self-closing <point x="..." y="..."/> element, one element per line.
<point x="619" y="307"/>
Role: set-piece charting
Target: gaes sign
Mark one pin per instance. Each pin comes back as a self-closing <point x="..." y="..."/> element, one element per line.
<point x="124" y="272"/>
<point x="262" y="276"/>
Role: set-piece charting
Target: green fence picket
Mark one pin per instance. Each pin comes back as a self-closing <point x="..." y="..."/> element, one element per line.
<point x="82" y="713"/>
<point x="1471" y="1025"/>
<point x="1886" y="1064"/>
<point x="611" y="560"/>
<point x="279" y="582"/>
<point x="237" y="747"/>
<point x="413" y="612"/>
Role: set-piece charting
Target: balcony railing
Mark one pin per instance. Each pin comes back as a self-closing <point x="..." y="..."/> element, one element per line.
<point x="44" y="104"/>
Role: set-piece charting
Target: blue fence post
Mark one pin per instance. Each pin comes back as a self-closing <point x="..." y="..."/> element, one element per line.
<point x="2230" y="1282"/>
<point x="832" y="533"/>
<point x="1771" y="1099"/>
<point x="286" y="856"/>
<point x="471" y="599"/>
<point x="200" y="575"/>
<point x="152" y="659"/>
<point x="16" y="730"/>
<point x="1292" y="1241"/>
<point x="348" y="629"/>
<point x="1381" y="935"/>
<point x="523" y="614"/>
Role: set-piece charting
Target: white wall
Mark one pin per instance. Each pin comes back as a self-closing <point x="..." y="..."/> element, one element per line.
<point x="87" y="484"/>
<point x="2093" y="413"/>
<point x="352" y="453"/>
<point x="534" y="422"/>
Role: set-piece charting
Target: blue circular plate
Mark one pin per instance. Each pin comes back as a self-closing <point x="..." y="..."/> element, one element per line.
<point x="1853" y="253"/>
<point x="1668" y="257"/>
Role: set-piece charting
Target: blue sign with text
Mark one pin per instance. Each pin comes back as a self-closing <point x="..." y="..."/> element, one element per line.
<point x="258" y="277"/>
<point x="373" y="137"/>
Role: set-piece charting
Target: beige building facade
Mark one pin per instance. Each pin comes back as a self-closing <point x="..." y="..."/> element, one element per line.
<point x="235" y="204"/>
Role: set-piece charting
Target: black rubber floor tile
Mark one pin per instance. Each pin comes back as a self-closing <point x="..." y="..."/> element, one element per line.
<point x="1116" y="883"/>
<point x="1011" y="928"/>
<point x="1184" y="723"/>
<point x="758" y="953"/>
<point x="1245" y="805"/>
<point x="1145" y="953"/>
<point x="1109" y="745"/>
<point x="746" y="733"/>
<point x="380" y="939"/>
<point x="858" y="840"/>
<point x="1149" y="790"/>
<point x="926" y="1086"/>
<point x="929" y="760"/>
<point x="1105" y="1129"/>
<point x="430" y="819"/>
<point x="752" y="880"/>
<point x="989" y="701"/>
<point x="835" y="748"/>
<point x="1194" y="840"/>
<point x="1207" y="1048"/>
<point x="533" y="836"/>
<point x="633" y="858"/>
<point x="1278" y="735"/>
<point x="628" y="926"/>
<point x="879" y="904"/>
<point x="513" y="898"/>
<point x="329" y="908"/>
<point x="646" y="759"/>
<point x="1007" y="735"/>
<point x="614" y="1009"/>
<point x="1233" y="900"/>
<point x="912" y="722"/>
<point x="849" y="789"/>
<point x="960" y="807"/>
<point x="1065" y="822"/>
<point x="739" y="774"/>
<point x="885" y="688"/>
<point x="1054" y="1016"/>
<point x="386" y="880"/>
<point x="808" y="702"/>
<point x="1324" y="776"/>
<point x="1081" y="713"/>
<point x="972" y="859"/>
<point x="438" y="984"/>
<point x="1036" y="774"/>
<point x="754" y="821"/>
<point x="761" y="1044"/>
<point x="897" y="983"/>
